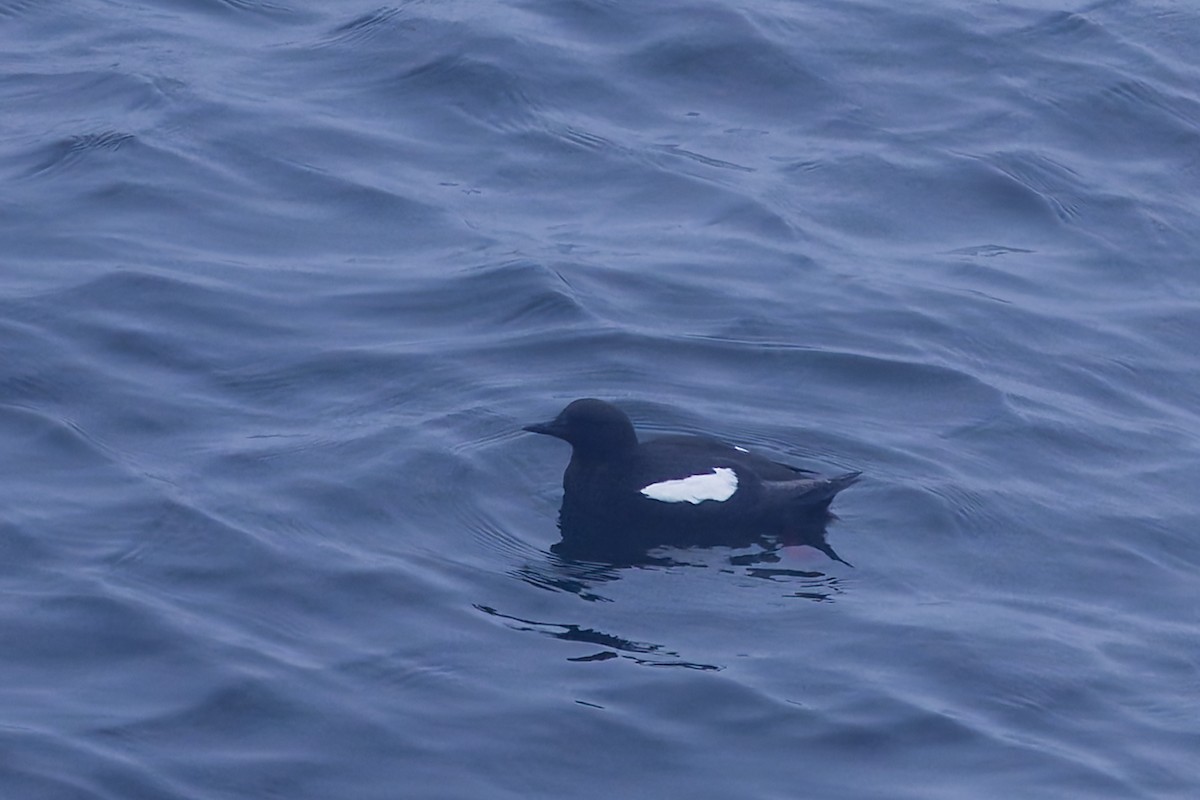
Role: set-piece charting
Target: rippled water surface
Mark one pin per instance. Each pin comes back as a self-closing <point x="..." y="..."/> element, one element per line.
<point x="281" y="281"/>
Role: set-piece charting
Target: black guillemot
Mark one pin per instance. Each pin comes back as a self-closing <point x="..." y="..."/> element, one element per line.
<point x="621" y="496"/>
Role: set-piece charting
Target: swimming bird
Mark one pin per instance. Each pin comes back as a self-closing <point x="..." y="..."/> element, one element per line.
<point x="624" y="496"/>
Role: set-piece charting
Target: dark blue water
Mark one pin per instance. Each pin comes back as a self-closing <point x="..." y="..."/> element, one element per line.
<point x="281" y="281"/>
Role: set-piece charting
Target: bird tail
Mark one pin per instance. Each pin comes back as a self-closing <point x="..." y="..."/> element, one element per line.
<point x="823" y="490"/>
<point x="810" y="513"/>
<point x="807" y="495"/>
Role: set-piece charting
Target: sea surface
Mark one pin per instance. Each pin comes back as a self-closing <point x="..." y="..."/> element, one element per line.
<point x="281" y="280"/>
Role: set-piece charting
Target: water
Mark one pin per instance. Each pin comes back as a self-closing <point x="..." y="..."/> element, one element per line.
<point x="281" y="281"/>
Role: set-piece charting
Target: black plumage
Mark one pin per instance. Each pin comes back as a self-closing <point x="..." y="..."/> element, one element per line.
<point x="606" y="508"/>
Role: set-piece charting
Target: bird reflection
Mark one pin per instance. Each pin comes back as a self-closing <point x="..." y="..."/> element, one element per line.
<point x="582" y="566"/>
<point x="584" y="538"/>
<point x="565" y="569"/>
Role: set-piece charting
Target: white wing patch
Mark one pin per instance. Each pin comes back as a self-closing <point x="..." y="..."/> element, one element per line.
<point x="719" y="486"/>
